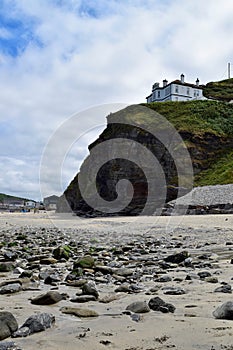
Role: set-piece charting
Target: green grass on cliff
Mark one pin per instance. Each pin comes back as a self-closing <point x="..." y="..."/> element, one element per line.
<point x="220" y="90"/>
<point x="198" y="117"/>
<point x="219" y="173"/>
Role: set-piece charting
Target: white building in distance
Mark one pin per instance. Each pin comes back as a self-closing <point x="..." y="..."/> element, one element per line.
<point x="177" y="90"/>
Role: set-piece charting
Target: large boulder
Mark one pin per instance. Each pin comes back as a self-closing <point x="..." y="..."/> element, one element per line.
<point x="224" y="311"/>
<point x="8" y="324"/>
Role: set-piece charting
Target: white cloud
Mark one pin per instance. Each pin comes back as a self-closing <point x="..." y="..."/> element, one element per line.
<point x="104" y="52"/>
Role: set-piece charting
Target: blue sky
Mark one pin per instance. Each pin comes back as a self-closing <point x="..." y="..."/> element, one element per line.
<point x="59" y="57"/>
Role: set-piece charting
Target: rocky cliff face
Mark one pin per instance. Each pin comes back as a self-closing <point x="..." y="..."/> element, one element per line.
<point x="121" y="153"/>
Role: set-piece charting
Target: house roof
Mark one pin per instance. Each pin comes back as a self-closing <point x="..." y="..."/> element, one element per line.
<point x="178" y="82"/>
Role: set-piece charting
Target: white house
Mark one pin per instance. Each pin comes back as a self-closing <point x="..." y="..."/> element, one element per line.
<point x="177" y="90"/>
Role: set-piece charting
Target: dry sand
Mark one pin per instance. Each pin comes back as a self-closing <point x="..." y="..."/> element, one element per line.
<point x="188" y="328"/>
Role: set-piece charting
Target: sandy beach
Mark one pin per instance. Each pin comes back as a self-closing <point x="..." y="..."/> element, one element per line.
<point x="143" y="244"/>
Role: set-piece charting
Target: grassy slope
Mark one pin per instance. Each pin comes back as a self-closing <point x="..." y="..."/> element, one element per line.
<point x="199" y="118"/>
<point x="220" y="90"/>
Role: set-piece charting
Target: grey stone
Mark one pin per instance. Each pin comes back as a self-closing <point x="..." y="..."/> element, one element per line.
<point x="164" y="278"/>
<point x="225" y="311"/>
<point x="173" y="291"/>
<point x="9" y="345"/>
<point x="6" y="266"/>
<point x="34" y="324"/>
<point x="83" y="299"/>
<point x="177" y="258"/>
<point x="157" y="304"/>
<point x="204" y="274"/>
<point x="89" y="288"/>
<point x="223" y="289"/>
<point x="123" y="272"/>
<point x="11" y="288"/>
<point x="52" y="297"/>
<point x="79" y="312"/>
<point x="8" y="324"/>
<point x="138" y="307"/>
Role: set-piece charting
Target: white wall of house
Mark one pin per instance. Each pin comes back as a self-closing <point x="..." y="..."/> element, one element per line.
<point x="175" y="92"/>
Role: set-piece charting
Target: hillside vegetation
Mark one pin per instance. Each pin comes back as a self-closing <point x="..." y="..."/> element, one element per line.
<point x="207" y="129"/>
<point x="220" y="90"/>
<point x="8" y="198"/>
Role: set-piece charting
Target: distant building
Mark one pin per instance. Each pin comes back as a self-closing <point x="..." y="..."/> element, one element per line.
<point x="177" y="90"/>
<point x="30" y="204"/>
<point x="50" y="202"/>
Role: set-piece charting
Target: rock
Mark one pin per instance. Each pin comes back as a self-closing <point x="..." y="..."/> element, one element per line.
<point x="52" y="297"/>
<point x="10" y="256"/>
<point x="123" y="288"/>
<point x="76" y="311"/>
<point x="157" y="304"/>
<point x="123" y="272"/>
<point x="110" y="297"/>
<point x="76" y="283"/>
<point x="223" y="289"/>
<point x="89" y="288"/>
<point x="48" y="261"/>
<point x="136" y="317"/>
<point x="104" y="269"/>
<point x="83" y="299"/>
<point x="225" y="311"/>
<point x="84" y="262"/>
<point x="173" y="291"/>
<point x="111" y="173"/>
<point x="6" y="266"/>
<point x="177" y="258"/>
<point x="62" y="252"/>
<point x="8" y="324"/>
<point x="34" y="324"/>
<point x="138" y="307"/>
<point x="51" y="279"/>
<point x="164" y="278"/>
<point x="9" y="346"/>
<point x="204" y="274"/>
<point x="211" y="279"/>
<point x="11" y="288"/>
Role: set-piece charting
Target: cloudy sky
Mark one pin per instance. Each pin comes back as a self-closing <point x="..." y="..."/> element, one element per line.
<point x="60" y="57"/>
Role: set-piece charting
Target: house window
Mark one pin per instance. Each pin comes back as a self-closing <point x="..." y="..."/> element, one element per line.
<point x="158" y="94"/>
<point x="177" y="89"/>
<point x="188" y="91"/>
<point x="194" y="94"/>
<point x="197" y="93"/>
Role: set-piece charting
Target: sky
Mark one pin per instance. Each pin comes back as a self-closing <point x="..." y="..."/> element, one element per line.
<point x="59" y="58"/>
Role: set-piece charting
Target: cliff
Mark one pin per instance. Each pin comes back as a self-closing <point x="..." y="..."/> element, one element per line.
<point x="206" y="129"/>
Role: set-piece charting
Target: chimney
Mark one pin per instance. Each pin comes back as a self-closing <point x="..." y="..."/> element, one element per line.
<point x="182" y="78"/>
<point x="197" y="82"/>
<point x="164" y="82"/>
<point x="155" y="86"/>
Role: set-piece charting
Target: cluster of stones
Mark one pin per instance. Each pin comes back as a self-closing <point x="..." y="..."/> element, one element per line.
<point x="197" y="209"/>
<point x="142" y="264"/>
